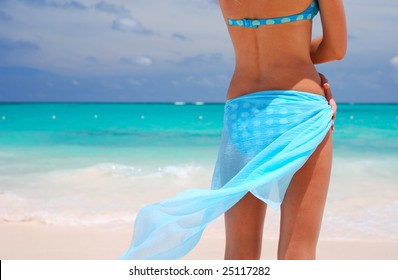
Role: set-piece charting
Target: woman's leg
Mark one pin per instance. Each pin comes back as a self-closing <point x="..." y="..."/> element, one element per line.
<point x="244" y="229"/>
<point x="303" y="205"/>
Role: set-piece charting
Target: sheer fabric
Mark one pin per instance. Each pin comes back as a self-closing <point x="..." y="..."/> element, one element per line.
<point x="267" y="137"/>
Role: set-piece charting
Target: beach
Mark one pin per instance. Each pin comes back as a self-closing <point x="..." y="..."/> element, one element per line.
<point x="73" y="177"/>
<point x="41" y="242"/>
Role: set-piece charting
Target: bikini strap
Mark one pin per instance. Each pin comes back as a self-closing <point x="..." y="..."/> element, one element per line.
<point x="308" y="14"/>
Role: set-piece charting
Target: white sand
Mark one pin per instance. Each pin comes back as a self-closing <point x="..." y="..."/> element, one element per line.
<point x="75" y="243"/>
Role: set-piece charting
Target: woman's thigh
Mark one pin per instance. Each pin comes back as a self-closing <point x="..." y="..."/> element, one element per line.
<point x="244" y="228"/>
<point x="303" y="205"/>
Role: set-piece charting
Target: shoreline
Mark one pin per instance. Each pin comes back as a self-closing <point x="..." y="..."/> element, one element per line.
<point x="46" y="242"/>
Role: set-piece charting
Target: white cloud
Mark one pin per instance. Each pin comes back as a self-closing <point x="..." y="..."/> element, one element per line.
<point x="129" y="38"/>
<point x="56" y="4"/>
<point x="72" y="40"/>
<point x="111" y="8"/>
<point x="129" y="24"/>
<point x="179" y="36"/>
<point x="201" y="81"/>
<point x="394" y="61"/>
<point x="202" y="58"/>
<point x="143" y="60"/>
<point x="134" y="82"/>
<point x="140" y="60"/>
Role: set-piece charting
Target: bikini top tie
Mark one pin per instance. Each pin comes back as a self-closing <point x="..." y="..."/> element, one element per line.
<point x="307" y="14"/>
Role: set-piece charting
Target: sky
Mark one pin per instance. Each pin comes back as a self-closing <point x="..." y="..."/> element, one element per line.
<point x="166" y="51"/>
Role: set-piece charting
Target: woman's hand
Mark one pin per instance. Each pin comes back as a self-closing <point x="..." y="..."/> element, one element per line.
<point x="329" y="96"/>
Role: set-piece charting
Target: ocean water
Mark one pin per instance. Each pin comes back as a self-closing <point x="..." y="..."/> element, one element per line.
<point x="98" y="164"/>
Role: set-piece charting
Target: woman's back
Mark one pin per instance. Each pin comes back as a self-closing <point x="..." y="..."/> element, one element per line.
<point x="275" y="56"/>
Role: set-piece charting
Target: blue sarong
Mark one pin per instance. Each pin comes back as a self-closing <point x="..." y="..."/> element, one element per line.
<point x="267" y="137"/>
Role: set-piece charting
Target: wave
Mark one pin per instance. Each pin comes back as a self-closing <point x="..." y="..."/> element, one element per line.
<point x="361" y="219"/>
<point x="373" y="223"/>
<point x="109" y="194"/>
<point x="18" y="209"/>
<point x="105" y="194"/>
<point x="110" y="221"/>
<point x="120" y="170"/>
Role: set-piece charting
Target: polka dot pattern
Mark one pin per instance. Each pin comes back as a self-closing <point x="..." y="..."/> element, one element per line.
<point x="253" y="125"/>
<point x="283" y="111"/>
<point x="256" y="22"/>
<point x="256" y="123"/>
<point x="308" y="14"/>
<point x="283" y="121"/>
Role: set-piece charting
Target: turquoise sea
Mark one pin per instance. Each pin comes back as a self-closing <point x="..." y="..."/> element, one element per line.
<point x="75" y="164"/>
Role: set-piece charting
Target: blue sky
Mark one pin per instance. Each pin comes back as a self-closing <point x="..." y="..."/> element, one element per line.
<point x="165" y="50"/>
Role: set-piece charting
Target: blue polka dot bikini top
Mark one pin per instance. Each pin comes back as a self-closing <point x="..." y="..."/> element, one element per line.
<point x="308" y="14"/>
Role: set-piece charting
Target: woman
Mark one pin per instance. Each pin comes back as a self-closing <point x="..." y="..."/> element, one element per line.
<point x="281" y="56"/>
<point x="276" y="148"/>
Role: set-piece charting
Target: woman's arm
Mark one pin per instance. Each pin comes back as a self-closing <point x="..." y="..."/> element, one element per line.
<point x="333" y="44"/>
